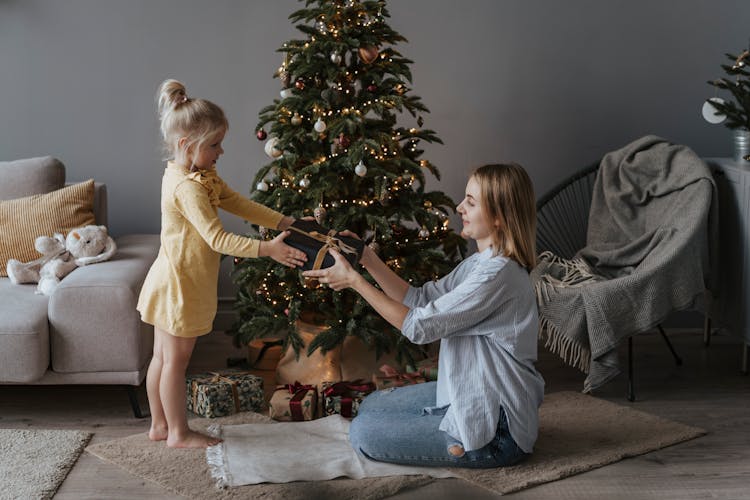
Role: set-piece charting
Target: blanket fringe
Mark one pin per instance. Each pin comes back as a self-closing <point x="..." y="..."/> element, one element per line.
<point x="215" y="456"/>
<point x="571" y="352"/>
<point x="576" y="272"/>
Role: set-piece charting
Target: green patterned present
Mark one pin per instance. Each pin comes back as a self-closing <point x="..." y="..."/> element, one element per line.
<point x="344" y="397"/>
<point x="294" y="402"/>
<point x="218" y="394"/>
<point x="428" y="368"/>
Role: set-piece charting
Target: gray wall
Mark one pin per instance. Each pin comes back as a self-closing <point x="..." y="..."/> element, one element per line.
<point x="550" y="84"/>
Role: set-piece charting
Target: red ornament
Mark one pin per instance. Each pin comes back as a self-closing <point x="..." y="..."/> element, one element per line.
<point x="300" y="84"/>
<point x="344" y="141"/>
<point x="261" y="135"/>
<point x="372" y="88"/>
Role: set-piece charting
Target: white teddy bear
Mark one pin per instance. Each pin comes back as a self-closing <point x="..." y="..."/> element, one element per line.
<point x="83" y="246"/>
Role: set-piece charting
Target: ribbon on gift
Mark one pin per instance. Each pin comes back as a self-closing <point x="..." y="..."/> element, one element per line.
<point x="298" y="392"/>
<point x="345" y="390"/>
<point x="329" y="241"/>
<point x="391" y="373"/>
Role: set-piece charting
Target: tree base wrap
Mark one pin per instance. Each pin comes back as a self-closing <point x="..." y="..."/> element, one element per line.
<point x="294" y="402"/>
<point x="344" y="397"/>
<point x="264" y="354"/>
<point x="350" y="361"/>
<point x="315" y="240"/>
<point x="428" y="368"/>
<point x="218" y="394"/>
<point x="393" y="378"/>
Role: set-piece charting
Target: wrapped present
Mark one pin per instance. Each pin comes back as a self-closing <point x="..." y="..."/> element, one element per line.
<point x="344" y="397"/>
<point x="428" y="368"/>
<point x="218" y="394"/>
<point x="264" y="354"/>
<point x="294" y="402"/>
<point x="315" y="240"/>
<point x="393" y="378"/>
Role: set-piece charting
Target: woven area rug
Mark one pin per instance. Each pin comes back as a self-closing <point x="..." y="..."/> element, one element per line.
<point x="34" y="463"/>
<point x="577" y="433"/>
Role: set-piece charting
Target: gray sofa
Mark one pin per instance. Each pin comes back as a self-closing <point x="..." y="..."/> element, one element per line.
<point x="88" y="331"/>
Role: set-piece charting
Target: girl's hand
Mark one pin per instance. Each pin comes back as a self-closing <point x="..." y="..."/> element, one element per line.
<point x="338" y="276"/>
<point x="281" y="252"/>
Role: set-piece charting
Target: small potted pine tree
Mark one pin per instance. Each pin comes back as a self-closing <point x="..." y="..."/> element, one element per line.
<point x="735" y="114"/>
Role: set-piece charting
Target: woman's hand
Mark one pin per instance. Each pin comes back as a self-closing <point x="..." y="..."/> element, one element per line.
<point x="281" y="252"/>
<point x="338" y="276"/>
<point x="367" y="254"/>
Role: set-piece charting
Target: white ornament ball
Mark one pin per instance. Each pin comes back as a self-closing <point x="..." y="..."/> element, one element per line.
<point x="271" y="149"/>
<point x="360" y="169"/>
<point x="262" y="186"/>
<point x="424" y="233"/>
<point x="284" y="93"/>
<point x="304" y="182"/>
<point x="335" y="58"/>
<point x="320" y="126"/>
<point x="709" y="112"/>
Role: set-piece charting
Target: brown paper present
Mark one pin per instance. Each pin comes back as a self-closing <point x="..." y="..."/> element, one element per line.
<point x="264" y="354"/>
<point x="294" y="402"/>
<point x="391" y="377"/>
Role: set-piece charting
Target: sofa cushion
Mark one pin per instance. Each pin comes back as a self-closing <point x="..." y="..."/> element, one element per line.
<point x="21" y="178"/>
<point x="24" y="333"/>
<point x="94" y="325"/>
<point x="23" y="219"/>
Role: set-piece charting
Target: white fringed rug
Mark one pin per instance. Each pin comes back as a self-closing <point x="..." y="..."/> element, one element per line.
<point x="34" y="463"/>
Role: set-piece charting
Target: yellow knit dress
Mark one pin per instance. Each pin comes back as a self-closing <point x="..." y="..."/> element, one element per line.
<point x="179" y="294"/>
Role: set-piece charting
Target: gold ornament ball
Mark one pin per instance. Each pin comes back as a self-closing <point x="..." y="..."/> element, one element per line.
<point x="368" y="54"/>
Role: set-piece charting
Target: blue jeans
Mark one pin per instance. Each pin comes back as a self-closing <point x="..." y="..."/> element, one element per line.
<point x="390" y="426"/>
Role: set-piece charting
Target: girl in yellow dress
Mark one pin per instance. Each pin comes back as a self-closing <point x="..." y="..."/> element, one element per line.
<point x="179" y="295"/>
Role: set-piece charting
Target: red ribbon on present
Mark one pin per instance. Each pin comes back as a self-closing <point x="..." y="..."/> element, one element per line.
<point x="295" y="404"/>
<point x="344" y="390"/>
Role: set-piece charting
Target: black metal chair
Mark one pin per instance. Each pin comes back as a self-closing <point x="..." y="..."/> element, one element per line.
<point x="562" y="223"/>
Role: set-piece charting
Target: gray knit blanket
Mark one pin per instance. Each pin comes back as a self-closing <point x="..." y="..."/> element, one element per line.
<point x="646" y="255"/>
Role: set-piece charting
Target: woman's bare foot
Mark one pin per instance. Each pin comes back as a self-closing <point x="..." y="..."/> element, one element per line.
<point x="192" y="439"/>
<point x="158" y="433"/>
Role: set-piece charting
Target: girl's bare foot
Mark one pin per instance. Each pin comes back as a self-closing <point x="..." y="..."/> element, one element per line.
<point x="192" y="439"/>
<point x="158" y="433"/>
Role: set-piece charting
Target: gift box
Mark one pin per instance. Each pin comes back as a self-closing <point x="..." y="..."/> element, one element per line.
<point x="315" y="240"/>
<point x="344" y="397"/>
<point x="294" y="402"/>
<point x="391" y="377"/>
<point x="218" y="394"/>
<point x="264" y="354"/>
<point x="428" y="368"/>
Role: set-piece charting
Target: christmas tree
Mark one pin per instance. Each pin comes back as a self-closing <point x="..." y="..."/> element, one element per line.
<point x="737" y="113"/>
<point x="338" y="154"/>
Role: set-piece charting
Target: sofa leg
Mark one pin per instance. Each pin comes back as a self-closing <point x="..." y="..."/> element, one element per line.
<point x="133" y="397"/>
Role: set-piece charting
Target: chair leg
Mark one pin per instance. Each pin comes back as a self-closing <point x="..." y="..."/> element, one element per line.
<point x="677" y="359"/>
<point x="133" y="397"/>
<point x="631" y="391"/>
<point x="707" y="331"/>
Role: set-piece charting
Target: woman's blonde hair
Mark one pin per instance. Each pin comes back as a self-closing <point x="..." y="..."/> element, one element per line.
<point x="183" y="116"/>
<point x="507" y="196"/>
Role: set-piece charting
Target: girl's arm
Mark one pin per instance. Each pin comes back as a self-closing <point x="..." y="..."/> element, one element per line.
<point x="253" y="212"/>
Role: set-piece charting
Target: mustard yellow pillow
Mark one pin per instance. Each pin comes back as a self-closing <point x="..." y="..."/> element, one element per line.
<point x="23" y="219"/>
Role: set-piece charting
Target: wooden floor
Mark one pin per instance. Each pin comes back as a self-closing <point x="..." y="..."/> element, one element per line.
<point x="707" y="391"/>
